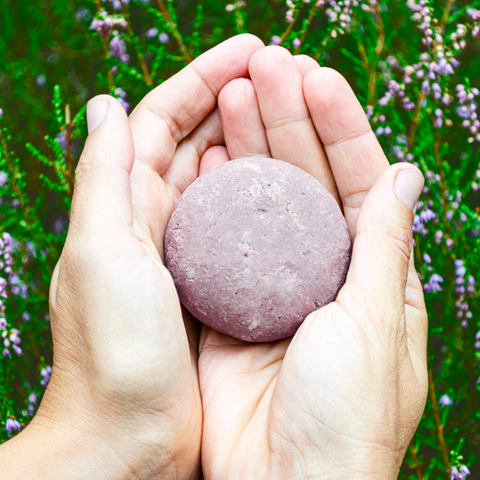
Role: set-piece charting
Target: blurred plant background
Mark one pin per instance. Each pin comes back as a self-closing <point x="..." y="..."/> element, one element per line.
<point x="414" y="65"/>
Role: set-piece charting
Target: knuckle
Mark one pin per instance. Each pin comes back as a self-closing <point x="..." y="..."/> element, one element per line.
<point x="86" y="166"/>
<point x="396" y="228"/>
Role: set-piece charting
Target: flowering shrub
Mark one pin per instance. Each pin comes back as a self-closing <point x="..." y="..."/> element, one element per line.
<point x="414" y="66"/>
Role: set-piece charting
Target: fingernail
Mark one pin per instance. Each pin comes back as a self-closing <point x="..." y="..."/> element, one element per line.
<point x="409" y="186"/>
<point x="96" y="113"/>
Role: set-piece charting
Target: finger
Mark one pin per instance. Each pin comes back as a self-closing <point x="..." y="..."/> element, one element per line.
<point x="154" y="197"/>
<point x="242" y="124"/>
<point x="184" y="168"/>
<point x="383" y="241"/>
<point x="102" y="198"/>
<point x="305" y="64"/>
<point x="166" y="116"/>
<point x="213" y="157"/>
<point x="355" y="156"/>
<point x="171" y="111"/>
<point x="290" y="131"/>
<point x="417" y="321"/>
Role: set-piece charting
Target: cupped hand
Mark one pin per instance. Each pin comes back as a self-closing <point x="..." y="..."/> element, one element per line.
<point x="123" y="400"/>
<point x="343" y="398"/>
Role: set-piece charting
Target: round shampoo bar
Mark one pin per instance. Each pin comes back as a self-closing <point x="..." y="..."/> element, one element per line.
<point x="254" y="246"/>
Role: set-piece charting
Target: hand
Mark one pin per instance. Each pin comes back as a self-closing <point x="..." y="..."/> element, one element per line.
<point x="123" y="401"/>
<point x="343" y="398"/>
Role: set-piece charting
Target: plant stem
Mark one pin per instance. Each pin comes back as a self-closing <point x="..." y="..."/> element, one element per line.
<point x="105" y="50"/>
<point x="136" y="46"/>
<point x="25" y="207"/>
<point x="174" y="30"/>
<point x="443" y="183"/>
<point x="415" y="120"/>
<point x="416" y="466"/>
<point x="68" y="157"/>
<point x="288" y="30"/>
<point x="313" y="10"/>
<point x="378" y="51"/>
<point x="324" y="46"/>
<point x="438" y="423"/>
<point x="446" y="14"/>
<point x="422" y="97"/>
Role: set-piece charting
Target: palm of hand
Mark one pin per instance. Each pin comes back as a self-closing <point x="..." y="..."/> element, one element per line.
<point x="308" y="407"/>
<point x="136" y="362"/>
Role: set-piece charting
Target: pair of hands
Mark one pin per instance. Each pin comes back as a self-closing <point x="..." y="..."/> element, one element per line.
<point x="138" y="390"/>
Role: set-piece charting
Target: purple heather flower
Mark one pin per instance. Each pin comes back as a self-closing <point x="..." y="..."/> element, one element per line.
<point x="60" y="225"/>
<point x="118" y="49"/>
<point x="17" y="349"/>
<point x="152" y="32"/>
<point x="460" y="271"/>
<point x="384" y="100"/>
<point x="120" y="92"/>
<point x="426" y="87"/>
<point x="62" y="140"/>
<point x="445" y="400"/>
<point x="96" y="24"/>
<point x="41" y="80"/>
<point x="26" y="317"/>
<point x="464" y="470"/>
<point x="463" y="111"/>
<point x="84" y="14"/>
<point x="163" y="38"/>
<point x="45" y="373"/>
<point x="11" y="424"/>
<point x="3" y="179"/>
<point x="427" y="258"/>
<point x="275" y="40"/>
<point x="433" y="284"/>
<point x="1" y="112"/>
<point x="296" y="43"/>
<point x="31" y="248"/>
<point x="455" y="474"/>
<point x="124" y="104"/>
<point x="427" y="215"/>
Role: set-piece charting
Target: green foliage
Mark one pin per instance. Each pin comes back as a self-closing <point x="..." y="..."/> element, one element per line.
<point x="50" y="56"/>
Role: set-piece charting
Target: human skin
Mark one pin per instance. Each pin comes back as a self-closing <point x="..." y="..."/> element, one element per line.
<point x="340" y="400"/>
<point x="343" y="398"/>
<point x="123" y="401"/>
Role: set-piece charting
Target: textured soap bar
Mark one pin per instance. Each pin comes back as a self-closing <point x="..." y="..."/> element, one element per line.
<point x="254" y="246"/>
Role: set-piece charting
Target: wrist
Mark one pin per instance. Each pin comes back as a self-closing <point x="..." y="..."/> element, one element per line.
<point x="374" y="463"/>
<point x="44" y="451"/>
<point x="52" y="450"/>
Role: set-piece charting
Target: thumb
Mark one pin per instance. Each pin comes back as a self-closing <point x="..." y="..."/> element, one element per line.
<point x="383" y="239"/>
<point x="102" y="199"/>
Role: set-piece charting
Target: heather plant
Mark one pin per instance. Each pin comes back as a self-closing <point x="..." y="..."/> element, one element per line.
<point x="414" y="66"/>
